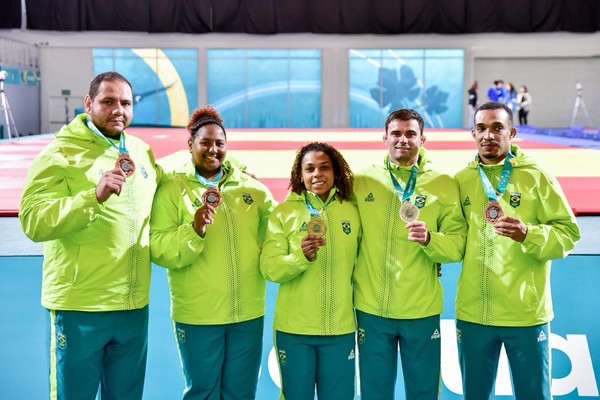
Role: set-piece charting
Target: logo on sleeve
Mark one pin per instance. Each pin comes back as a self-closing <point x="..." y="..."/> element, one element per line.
<point x="144" y="172"/>
<point x="247" y="198"/>
<point x="304" y="227"/>
<point x="420" y="200"/>
<point x="515" y="199"/>
<point x="370" y="197"/>
<point x="467" y="202"/>
<point x="197" y="202"/>
<point x="346" y="226"/>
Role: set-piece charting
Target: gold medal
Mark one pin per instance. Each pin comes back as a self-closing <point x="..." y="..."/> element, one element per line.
<point x="316" y="226"/>
<point x="212" y="196"/>
<point x="493" y="212"/>
<point x="126" y="164"/>
<point x="409" y="212"/>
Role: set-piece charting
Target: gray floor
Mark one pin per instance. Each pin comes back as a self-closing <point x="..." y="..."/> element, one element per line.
<point x="15" y="243"/>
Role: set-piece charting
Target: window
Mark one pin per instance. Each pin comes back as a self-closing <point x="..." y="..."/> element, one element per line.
<point x="427" y="80"/>
<point x="265" y="88"/>
<point x="165" y="82"/>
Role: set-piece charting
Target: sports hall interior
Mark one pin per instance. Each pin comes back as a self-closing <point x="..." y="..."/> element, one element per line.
<point x="328" y="66"/>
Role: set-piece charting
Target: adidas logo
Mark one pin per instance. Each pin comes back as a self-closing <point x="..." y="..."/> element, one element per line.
<point x="542" y="337"/>
<point x="467" y="202"/>
<point x="351" y="355"/>
<point x="436" y="335"/>
<point x="370" y="197"/>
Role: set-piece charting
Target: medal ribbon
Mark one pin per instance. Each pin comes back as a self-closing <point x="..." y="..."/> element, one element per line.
<point x="491" y="193"/>
<point x="208" y="182"/>
<point x="404" y="194"/>
<point x="122" y="149"/>
<point x="312" y="210"/>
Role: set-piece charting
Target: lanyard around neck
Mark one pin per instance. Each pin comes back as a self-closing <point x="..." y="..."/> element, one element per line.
<point x="491" y="193"/>
<point x="404" y="194"/>
<point x="208" y="182"/>
<point x="122" y="148"/>
<point x="312" y="210"/>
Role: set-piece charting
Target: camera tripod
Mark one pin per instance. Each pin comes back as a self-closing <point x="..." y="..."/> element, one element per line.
<point x="579" y="103"/>
<point x="9" y="121"/>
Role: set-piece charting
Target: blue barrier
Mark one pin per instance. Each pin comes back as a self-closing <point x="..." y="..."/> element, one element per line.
<point x="575" y="337"/>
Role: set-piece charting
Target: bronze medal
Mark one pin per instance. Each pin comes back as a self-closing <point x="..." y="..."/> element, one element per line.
<point x="409" y="212"/>
<point x="493" y="212"/>
<point x="126" y="164"/>
<point x="316" y="226"/>
<point x="212" y="196"/>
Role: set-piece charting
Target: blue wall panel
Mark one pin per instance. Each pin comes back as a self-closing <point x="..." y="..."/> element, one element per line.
<point x="24" y="330"/>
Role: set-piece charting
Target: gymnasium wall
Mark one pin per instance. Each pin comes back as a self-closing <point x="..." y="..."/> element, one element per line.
<point x="550" y="64"/>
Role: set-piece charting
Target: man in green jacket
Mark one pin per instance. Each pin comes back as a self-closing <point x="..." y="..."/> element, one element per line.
<point x="411" y="221"/>
<point x="88" y="197"/>
<point x="518" y="221"/>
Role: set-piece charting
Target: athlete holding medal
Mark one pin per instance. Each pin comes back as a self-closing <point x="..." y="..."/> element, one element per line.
<point x="310" y="250"/>
<point x="518" y="221"/>
<point x="207" y="228"/>
<point x="411" y="222"/>
<point x="84" y="198"/>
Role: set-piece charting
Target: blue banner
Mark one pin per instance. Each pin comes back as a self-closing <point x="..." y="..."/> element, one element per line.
<point x="575" y="337"/>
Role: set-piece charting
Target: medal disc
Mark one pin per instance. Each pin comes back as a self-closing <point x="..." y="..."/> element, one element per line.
<point x="493" y="212"/>
<point x="316" y="226"/>
<point x="409" y="212"/>
<point x="212" y="196"/>
<point x="126" y="164"/>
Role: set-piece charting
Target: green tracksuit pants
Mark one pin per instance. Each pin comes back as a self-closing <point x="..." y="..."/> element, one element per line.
<point x="309" y="361"/>
<point x="220" y="362"/>
<point x="91" y="349"/>
<point x="420" y="353"/>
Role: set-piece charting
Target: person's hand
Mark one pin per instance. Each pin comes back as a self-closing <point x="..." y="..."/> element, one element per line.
<point x="417" y="232"/>
<point x="203" y="217"/>
<point x="310" y="244"/>
<point x="511" y="227"/>
<point x="111" y="182"/>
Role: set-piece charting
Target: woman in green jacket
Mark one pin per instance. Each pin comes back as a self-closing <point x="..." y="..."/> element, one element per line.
<point x="310" y="250"/>
<point x="207" y="228"/>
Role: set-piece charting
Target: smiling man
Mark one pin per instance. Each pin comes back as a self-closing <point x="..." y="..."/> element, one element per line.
<point x="518" y="221"/>
<point x="411" y="222"/>
<point x="88" y="197"/>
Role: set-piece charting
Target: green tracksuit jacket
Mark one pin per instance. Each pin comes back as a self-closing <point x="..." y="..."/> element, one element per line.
<point x="394" y="277"/>
<point x="504" y="282"/>
<point x="215" y="279"/>
<point x="96" y="256"/>
<point x="314" y="297"/>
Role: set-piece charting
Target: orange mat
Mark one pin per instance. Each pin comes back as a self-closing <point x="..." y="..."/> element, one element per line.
<point x="269" y="154"/>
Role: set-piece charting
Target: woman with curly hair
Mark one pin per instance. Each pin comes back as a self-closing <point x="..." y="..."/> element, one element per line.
<point x="310" y="249"/>
<point x="207" y="228"/>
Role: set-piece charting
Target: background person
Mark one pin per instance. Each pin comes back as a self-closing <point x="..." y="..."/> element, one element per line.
<point x="524" y="102"/>
<point x="397" y="293"/>
<point x="518" y="221"/>
<point x="207" y="229"/>
<point x="88" y="197"/>
<point x="314" y="316"/>
<point x="472" y="100"/>
<point x="510" y="98"/>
